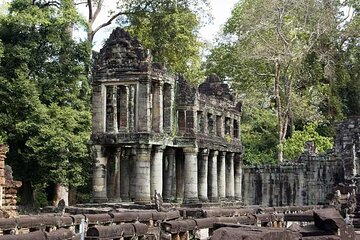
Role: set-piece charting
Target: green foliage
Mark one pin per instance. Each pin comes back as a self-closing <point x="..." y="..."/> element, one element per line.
<point x="171" y="32"/>
<point x="300" y="58"/>
<point x="40" y="198"/>
<point x="258" y="133"/>
<point x="294" y="146"/>
<point x="44" y="112"/>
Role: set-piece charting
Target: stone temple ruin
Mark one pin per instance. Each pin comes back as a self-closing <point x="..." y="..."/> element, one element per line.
<point x="155" y="132"/>
<point x="312" y="178"/>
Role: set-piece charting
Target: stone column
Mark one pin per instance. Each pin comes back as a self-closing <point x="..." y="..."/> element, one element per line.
<point x="219" y="126"/>
<point x="212" y="180"/>
<point x="123" y="108"/>
<point x="111" y="109"/>
<point x="142" y="174"/>
<point x="143" y="107"/>
<point x="190" y="175"/>
<point x="156" y="171"/>
<point x="221" y="175"/>
<point x="131" y="107"/>
<point x="99" y="174"/>
<point x="157" y="108"/>
<point x="230" y="194"/>
<point x="98" y="108"/>
<point x="124" y="174"/>
<point x="132" y="173"/>
<point x="179" y="179"/>
<point x="203" y="174"/>
<point x="245" y="197"/>
<point x="238" y="176"/>
<point x="117" y="174"/>
<point x="168" y="104"/>
<point x="169" y="172"/>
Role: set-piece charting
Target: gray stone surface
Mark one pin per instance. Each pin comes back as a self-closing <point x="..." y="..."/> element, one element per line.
<point x="137" y="102"/>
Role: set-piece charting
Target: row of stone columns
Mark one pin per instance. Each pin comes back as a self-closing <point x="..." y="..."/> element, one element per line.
<point x="217" y="176"/>
<point x="190" y="175"/>
<point x="154" y="105"/>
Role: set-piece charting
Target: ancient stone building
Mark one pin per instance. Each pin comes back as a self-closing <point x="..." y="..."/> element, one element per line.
<point x="313" y="177"/>
<point x="153" y="131"/>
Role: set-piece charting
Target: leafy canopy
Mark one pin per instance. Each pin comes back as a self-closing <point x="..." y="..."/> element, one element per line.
<point x="44" y="112"/>
<point x="171" y="31"/>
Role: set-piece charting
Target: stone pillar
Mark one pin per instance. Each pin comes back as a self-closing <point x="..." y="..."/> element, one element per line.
<point x="142" y="174"/>
<point x="169" y="179"/>
<point x="117" y="174"/>
<point x="123" y="108"/>
<point x="156" y="171"/>
<point x="179" y="178"/>
<point x="203" y="174"/>
<point x="219" y="126"/>
<point x="168" y="104"/>
<point x="124" y="174"/>
<point x="245" y="197"/>
<point x="143" y="107"/>
<point x="98" y="108"/>
<point x="99" y="174"/>
<point x="212" y="179"/>
<point x="132" y="173"/>
<point x="111" y="109"/>
<point x="157" y="108"/>
<point x="131" y="108"/>
<point x="221" y="175"/>
<point x="190" y="175"/>
<point x="238" y="176"/>
<point x="230" y="194"/>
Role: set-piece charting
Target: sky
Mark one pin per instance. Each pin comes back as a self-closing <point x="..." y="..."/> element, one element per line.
<point x="221" y="10"/>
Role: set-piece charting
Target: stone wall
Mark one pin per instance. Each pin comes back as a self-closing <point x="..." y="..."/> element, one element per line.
<point x="304" y="182"/>
<point x="312" y="178"/>
<point x="3" y="150"/>
<point x="8" y="187"/>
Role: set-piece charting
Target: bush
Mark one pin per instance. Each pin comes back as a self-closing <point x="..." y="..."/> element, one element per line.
<point x="294" y="146"/>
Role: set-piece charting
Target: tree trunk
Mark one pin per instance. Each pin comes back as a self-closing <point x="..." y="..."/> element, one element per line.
<point x="72" y="195"/>
<point x="26" y="193"/>
<point x="61" y="192"/>
<point x="278" y="109"/>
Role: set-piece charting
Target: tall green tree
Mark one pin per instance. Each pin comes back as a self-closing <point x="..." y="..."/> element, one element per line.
<point x="171" y="32"/>
<point x="272" y="46"/>
<point x="44" y="112"/>
<point x="126" y="8"/>
<point x="168" y="28"/>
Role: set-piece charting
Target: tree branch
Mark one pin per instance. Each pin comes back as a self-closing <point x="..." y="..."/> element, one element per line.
<point x="90" y="12"/>
<point x="97" y="11"/>
<point x="110" y="21"/>
<point x="79" y="3"/>
<point x="48" y="4"/>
